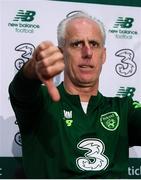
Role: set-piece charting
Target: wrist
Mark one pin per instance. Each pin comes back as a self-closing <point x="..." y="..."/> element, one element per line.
<point x="29" y="70"/>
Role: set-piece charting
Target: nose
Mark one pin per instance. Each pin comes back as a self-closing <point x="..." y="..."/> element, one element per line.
<point x="87" y="52"/>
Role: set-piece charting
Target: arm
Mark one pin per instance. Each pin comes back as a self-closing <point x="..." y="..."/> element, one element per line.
<point x="25" y="89"/>
<point x="26" y="100"/>
<point x="47" y="62"/>
<point x="134" y="126"/>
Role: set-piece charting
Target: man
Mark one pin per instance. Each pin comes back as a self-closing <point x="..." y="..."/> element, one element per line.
<point x="73" y="131"/>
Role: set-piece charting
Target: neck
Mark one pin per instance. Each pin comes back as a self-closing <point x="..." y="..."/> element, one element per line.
<point x="84" y="92"/>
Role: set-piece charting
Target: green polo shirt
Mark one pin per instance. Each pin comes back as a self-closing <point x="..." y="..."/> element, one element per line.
<point x="59" y="140"/>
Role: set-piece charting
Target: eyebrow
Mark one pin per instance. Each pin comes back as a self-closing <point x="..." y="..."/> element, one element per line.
<point x="83" y="41"/>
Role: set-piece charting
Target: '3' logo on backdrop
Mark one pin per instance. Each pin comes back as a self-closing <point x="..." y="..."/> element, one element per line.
<point x="26" y="51"/>
<point x="127" y="66"/>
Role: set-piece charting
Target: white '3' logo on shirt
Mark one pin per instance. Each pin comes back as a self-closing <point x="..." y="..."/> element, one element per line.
<point x="94" y="159"/>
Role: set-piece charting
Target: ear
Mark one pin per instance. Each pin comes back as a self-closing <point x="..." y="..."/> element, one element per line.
<point x="61" y="49"/>
<point x="104" y="55"/>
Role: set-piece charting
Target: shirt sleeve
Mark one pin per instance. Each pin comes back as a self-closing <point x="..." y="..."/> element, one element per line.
<point x="134" y="126"/>
<point x="26" y="100"/>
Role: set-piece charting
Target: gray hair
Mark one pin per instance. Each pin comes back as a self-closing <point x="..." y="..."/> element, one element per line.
<point x="73" y="15"/>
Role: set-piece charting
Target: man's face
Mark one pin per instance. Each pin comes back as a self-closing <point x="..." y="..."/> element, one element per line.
<point x="83" y="52"/>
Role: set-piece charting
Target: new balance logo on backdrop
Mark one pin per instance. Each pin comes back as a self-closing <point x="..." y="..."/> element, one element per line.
<point x="22" y="22"/>
<point x="122" y="28"/>
<point x="122" y="22"/>
<point x="126" y="91"/>
<point x="25" y="16"/>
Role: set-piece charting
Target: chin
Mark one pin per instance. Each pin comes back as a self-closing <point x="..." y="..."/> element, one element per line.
<point x="85" y="84"/>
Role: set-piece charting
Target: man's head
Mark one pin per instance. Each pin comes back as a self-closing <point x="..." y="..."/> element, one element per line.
<point x="61" y="30"/>
<point x="81" y="39"/>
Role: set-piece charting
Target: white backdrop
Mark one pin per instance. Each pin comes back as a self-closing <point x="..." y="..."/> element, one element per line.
<point x="25" y="23"/>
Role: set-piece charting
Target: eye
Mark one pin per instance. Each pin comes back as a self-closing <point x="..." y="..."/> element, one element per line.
<point x="94" y="44"/>
<point x="77" y="44"/>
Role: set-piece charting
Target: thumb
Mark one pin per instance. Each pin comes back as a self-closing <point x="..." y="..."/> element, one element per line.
<point x="52" y="89"/>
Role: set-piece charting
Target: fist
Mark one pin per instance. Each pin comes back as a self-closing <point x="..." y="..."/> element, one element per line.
<point x="49" y="61"/>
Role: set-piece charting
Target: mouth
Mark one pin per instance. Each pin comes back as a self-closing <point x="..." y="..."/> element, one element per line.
<point x="86" y="67"/>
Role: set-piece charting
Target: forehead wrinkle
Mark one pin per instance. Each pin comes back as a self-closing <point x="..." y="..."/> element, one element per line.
<point x="73" y="28"/>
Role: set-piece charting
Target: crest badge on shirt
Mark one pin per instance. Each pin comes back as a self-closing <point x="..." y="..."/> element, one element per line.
<point x="110" y="121"/>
